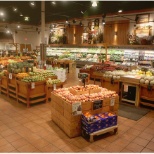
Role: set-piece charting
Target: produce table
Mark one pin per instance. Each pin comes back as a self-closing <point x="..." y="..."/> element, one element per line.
<point x="66" y="64"/>
<point x="69" y="120"/>
<point x="97" y="75"/>
<point x="111" y="84"/>
<point x="147" y="95"/>
<point x="4" y="85"/>
<point x="130" y="81"/>
<point x="30" y="93"/>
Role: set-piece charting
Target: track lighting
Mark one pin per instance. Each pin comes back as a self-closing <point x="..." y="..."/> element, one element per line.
<point x="66" y="21"/>
<point x="81" y="23"/>
<point x="74" y="21"/>
<point x="103" y="22"/>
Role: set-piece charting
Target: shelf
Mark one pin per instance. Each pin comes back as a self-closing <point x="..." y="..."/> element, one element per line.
<point x="147" y="104"/>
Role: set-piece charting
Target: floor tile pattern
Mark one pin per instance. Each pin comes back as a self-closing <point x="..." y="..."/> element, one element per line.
<point x="32" y="130"/>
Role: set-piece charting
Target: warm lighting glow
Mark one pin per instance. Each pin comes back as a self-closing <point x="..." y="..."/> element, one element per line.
<point x="120" y="11"/>
<point x="1" y="14"/>
<point x="15" y="9"/>
<point x="94" y="4"/>
<point x="7" y="31"/>
<point x="32" y="3"/>
<point x="18" y="26"/>
<point x="26" y="18"/>
<point x="54" y="3"/>
<point x="21" y="15"/>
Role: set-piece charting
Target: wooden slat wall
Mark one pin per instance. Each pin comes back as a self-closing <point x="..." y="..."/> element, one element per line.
<point x="74" y="39"/>
<point x="23" y="46"/>
<point x="121" y="27"/>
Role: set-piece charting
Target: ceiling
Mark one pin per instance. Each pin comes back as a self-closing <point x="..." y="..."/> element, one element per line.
<point x="64" y="9"/>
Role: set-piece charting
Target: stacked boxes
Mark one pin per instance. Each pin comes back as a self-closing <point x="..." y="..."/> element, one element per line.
<point x="93" y="123"/>
<point x="61" y="111"/>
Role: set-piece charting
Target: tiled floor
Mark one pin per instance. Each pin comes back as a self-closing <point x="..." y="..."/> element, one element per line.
<point x="32" y="130"/>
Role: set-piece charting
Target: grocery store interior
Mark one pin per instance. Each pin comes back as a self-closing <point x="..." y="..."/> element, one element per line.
<point x="77" y="76"/>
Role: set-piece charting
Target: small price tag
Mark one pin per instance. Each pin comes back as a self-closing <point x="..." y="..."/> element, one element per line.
<point x="10" y="76"/>
<point x="33" y="85"/>
<point x="76" y="109"/>
<point x="54" y="86"/>
<point x="112" y="101"/>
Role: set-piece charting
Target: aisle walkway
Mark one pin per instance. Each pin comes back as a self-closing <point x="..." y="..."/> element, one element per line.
<point x="32" y="130"/>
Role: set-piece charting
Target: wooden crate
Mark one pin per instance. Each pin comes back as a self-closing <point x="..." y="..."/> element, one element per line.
<point x="50" y="88"/>
<point x="111" y="86"/>
<point x="61" y="112"/>
<point x="12" y="86"/>
<point x="146" y="95"/>
<point x="4" y="85"/>
<point x="27" y="95"/>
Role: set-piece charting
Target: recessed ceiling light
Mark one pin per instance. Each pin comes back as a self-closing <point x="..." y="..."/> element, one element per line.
<point x="32" y="3"/>
<point x="54" y="3"/>
<point x="15" y="9"/>
<point x="120" y="11"/>
<point x="26" y="18"/>
<point x="94" y="4"/>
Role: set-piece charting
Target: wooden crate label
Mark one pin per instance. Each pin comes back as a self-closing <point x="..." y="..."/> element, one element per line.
<point x="112" y="101"/>
<point x="33" y="85"/>
<point x="10" y="76"/>
<point x="97" y="104"/>
<point x="76" y="108"/>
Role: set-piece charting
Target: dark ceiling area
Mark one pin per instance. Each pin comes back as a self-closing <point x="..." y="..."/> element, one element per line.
<point x="62" y="10"/>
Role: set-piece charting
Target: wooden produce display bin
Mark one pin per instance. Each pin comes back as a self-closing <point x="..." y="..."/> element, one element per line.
<point x="97" y="75"/>
<point x="31" y="93"/>
<point x="12" y="85"/>
<point x="4" y="85"/>
<point x="146" y="95"/>
<point x="111" y="85"/>
<point x="62" y="113"/>
<point x="50" y="88"/>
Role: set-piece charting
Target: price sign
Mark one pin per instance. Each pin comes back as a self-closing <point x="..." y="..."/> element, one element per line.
<point x="33" y="85"/>
<point x="54" y="86"/>
<point x="10" y="76"/>
<point x="112" y="101"/>
<point x="76" y="108"/>
<point x="97" y="104"/>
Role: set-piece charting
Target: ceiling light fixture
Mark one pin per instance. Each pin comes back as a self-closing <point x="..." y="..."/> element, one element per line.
<point x="7" y="31"/>
<point x="1" y="14"/>
<point x="81" y="23"/>
<point x="66" y="21"/>
<point x="26" y="18"/>
<point x="74" y="21"/>
<point x="21" y="15"/>
<point x="18" y="26"/>
<point x="15" y="9"/>
<point x="120" y="11"/>
<point x="32" y="3"/>
<point x="54" y="3"/>
<point x="94" y="4"/>
<point x="103" y="22"/>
